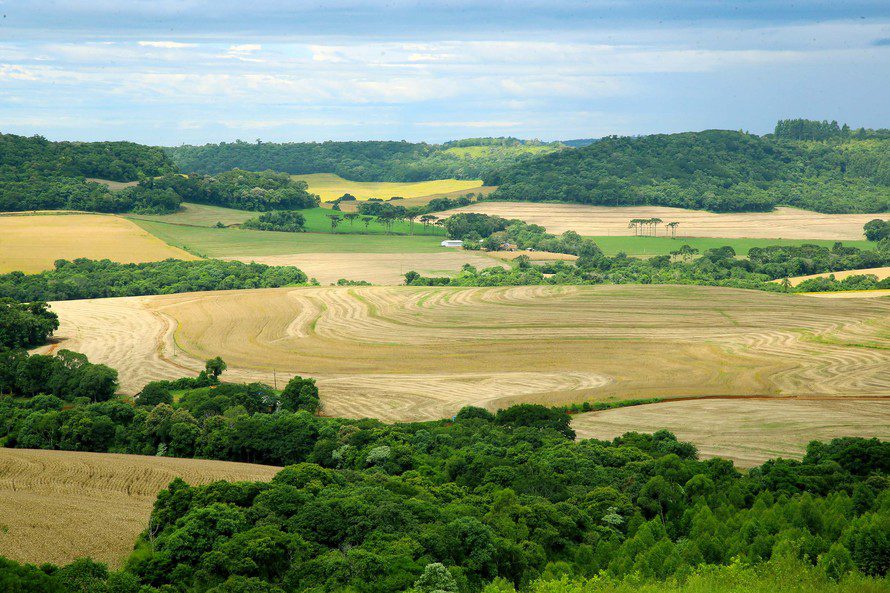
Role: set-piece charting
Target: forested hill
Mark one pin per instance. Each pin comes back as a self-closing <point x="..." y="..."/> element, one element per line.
<point x="36" y="174"/>
<point x="22" y="156"/>
<point x="363" y="161"/>
<point x="717" y="170"/>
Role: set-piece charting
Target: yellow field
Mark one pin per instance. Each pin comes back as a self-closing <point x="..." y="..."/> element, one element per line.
<point x="377" y="268"/>
<point x="594" y="221"/>
<point x="406" y="353"/>
<point x="330" y="187"/>
<point x="748" y="431"/>
<point x="881" y="273"/>
<point x="33" y="243"/>
<point x="56" y="506"/>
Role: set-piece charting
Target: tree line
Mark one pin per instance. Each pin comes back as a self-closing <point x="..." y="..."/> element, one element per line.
<point x="356" y="160"/>
<point x="717" y="170"/>
<point x="760" y="270"/>
<point x="486" y="501"/>
<point x="89" y="279"/>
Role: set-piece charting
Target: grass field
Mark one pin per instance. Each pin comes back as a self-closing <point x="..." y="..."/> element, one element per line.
<point x="56" y="506"/>
<point x="649" y="246"/>
<point x="405" y="353"/>
<point x="113" y="185"/>
<point x="598" y="221"/>
<point x="748" y="431"/>
<point x="32" y="243"/>
<point x="317" y="221"/>
<point x="481" y="151"/>
<point x="212" y="242"/>
<point x="330" y="187"/>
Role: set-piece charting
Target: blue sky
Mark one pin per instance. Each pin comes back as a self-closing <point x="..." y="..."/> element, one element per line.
<point x="172" y="72"/>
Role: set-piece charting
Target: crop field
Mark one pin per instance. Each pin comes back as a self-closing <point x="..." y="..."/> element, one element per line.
<point x="32" y="243"/>
<point x="330" y="187"/>
<point x="238" y="243"/>
<point x="748" y="431"/>
<point x="599" y="221"/>
<point x="377" y="268"/>
<point x="409" y="353"/>
<point x="56" y="506"/>
<point x="881" y="273"/>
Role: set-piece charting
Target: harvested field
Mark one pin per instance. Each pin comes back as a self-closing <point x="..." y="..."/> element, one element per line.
<point x="851" y="294"/>
<point x="32" y="243"/>
<point x="881" y="273"/>
<point x="783" y="223"/>
<point x="56" y="506"/>
<point x="748" y="431"/>
<point x="377" y="268"/>
<point x="407" y="353"/>
<point x="330" y="187"/>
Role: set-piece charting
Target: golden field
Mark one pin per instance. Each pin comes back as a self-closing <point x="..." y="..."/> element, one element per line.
<point x="31" y="243"/>
<point x="748" y="431"/>
<point x="411" y="353"/>
<point x="56" y="506"/>
<point x="881" y="273"/>
<point x="593" y="221"/>
<point x="330" y="187"/>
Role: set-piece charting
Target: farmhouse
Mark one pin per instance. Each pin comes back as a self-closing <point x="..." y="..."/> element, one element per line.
<point x="452" y="243"/>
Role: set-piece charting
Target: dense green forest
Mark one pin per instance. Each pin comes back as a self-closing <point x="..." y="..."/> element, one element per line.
<point x="36" y="174"/>
<point x="718" y="170"/>
<point x="90" y="279"/>
<point x="486" y="501"/>
<point x="287" y="221"/>
<point x="23" y="325"/>
<point x="242" y="190"/>
<point x="361" y="161"/>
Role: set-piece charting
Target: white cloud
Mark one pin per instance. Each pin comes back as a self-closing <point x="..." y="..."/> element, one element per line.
<point x="470" y="124"/>
<point x="166" y="44"/>
<point x="245" y="48"/>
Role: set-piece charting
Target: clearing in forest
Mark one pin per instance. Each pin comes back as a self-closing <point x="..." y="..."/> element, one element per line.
<point x="330" y="187"/>
<point x="412" y="353"/>
<point x="56" y="506"/>
<point x="31" y="243"/>
<point x="376" y="268"/>
<point x="596" y="221"/>
<point x="748" y="431"/>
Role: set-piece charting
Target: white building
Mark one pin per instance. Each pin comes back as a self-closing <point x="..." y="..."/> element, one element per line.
<point x="452" y="243"/>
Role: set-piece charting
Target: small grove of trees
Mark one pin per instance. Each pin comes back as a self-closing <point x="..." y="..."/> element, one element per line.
<point x="67" y="375"/>
<point x="640" y="226"/>
<point x="877" y="229"/>
<point x="23" y="325"/>
<point x="288" y="221"/>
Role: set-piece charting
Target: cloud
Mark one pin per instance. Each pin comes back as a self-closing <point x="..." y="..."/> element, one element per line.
<point x="166" y="44"/>
<point x="469" y="124"/>
<point x="245" y="48"/>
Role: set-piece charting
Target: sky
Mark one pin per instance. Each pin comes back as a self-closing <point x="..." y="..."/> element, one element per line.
<point x="189" y="72"/>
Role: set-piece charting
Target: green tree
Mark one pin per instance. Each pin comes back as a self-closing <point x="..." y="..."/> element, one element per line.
<point x="300" y="394"/>
<point x="215" y="367"/>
